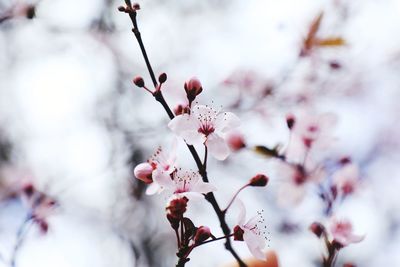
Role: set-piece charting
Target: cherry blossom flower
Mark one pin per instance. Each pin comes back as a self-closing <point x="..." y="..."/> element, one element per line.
<point x="347" y="178"/>
<point x="252" y="232"/>
<point x="184" y="183"/>
<point x="314" y="129"/>
<point x="296" y="178"/>
<point x="205" y="125"/>
<point x="160" y="164"/>
<point x="342" y="232"/>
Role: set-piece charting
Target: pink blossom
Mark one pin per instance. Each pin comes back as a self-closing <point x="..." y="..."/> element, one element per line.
<point x="314" y="129"/>
<point x="346" y="178"/>
<point x="160" y="164"/>
<point x="342" y="232"/>
<point x="252" y="231"/>
<point x="204" y="125"/>
<point x="184" y="183"/>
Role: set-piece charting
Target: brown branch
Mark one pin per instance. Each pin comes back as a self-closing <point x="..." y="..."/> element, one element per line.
<point x="159" y="97"/>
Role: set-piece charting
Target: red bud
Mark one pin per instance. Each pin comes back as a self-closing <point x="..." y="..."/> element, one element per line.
<point x="259" y="180"/>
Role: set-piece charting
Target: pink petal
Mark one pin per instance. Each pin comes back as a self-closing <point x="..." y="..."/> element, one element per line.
<point x="186" y="126"/>
<point x="255" y="243"/>
<point x="242" y="213"/>
<point x="153" y="189"/>
<point x="203" y="188"/>
<point x="226" y="121"/>
<point x="217" y="147"/>
<point x="163" y="179"/>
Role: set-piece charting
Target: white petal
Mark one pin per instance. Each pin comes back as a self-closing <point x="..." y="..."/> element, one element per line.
<point x="203" y="188"/>
<point x="186" y="126"/>
<point x="242" y="212"/>
<point x="255" y="243"/>
<point x="217" y="147"/>
<point x="153" y="188"/>
<point x="203" y="111"/>
<point x="163" y="179"/>
<point x="226" y="121"/>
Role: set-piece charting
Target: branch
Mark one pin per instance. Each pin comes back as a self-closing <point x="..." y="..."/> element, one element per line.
<point x="131" y="10"/>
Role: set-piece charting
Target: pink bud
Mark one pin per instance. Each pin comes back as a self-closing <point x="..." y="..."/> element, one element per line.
<point x="236" y="141"/>
<point x="138" y="81"/>
<point x="193" y="88"/>
<point x="259" y="180"/>
<point x="162" y="78"/>
<point x="143" y="172"/>
<point x="177" y="207"/>
<point x="202" y="234"/>
<point x="290" y="121"/>
<point x="317" y="228"/>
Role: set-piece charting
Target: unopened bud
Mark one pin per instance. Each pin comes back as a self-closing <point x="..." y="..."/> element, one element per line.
<point x="202" y="234"/>
<point x="317" y="228"/>
<point x="144" y="172"/>
<point x="28" y="190"/>
<point x="162" y="78"/>
<point x="138" y="81"/>
<point x="238" y="233"/>
<point x="345" y="160"/>
<point x="290" y="121"/>
<point x="173" y="221"/>
<point x="336" y="244"/>
<point x="121" y="9"/>
<point x="177" y="207"/>
<point x="136" y="6"/>
<point x="259" y="180"/>
<point x="236" y="141"/>
<point x="193" y="88"/>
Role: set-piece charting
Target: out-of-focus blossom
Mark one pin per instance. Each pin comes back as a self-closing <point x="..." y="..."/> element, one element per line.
<point x="205" y="125"/>
<point x="346" y="179"/>
<point x="251" y="232"/>
<point x="236" y="141"/>
<point x="342" y="232"/>
<point x="314" y="130"/>
<point x="296" y="178"/>
<point x="184" y="183"/>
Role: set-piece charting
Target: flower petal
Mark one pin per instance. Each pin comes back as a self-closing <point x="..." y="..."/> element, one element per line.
<point x="163" y="179"/>
<point x="255" y="243"/>
<point x="186" y="127"/>
<point x="242" y="213"/>
<point x="153" y="189"/>
<point x="217" y="147"/>
<point x="226" y="121"/>
<point x="203" y="188"/>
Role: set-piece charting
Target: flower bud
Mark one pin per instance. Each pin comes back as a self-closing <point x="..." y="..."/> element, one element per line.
<point x="317" y="228"/>
<point x="136" y="6"/>
<point x="162" y="78"/>
<point x="138" y="81"/>
<point x="121" y="9"/>
<point x="336" y="244"/>
<point x="193" y="88"/>
<point x="236" y="141"/>
<point x="28" y="190"/>
<point x="143" y="172"/>
<point x="259" y="180"/>
<point x="202" y="234"/>
<point x="177" y="207"/>
<point x="173" y="221"/>
<point x="238" y="233"/>
<point x="290" y="121"/>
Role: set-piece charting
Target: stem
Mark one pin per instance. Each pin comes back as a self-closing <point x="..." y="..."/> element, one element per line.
<point x="21" y="234"/>
<point x="205" y="158"/>
<point x="177" y="238"/>
<point x="215" y="239"/>
<point x="234" y="197"/>
<point x="159" y="97"/>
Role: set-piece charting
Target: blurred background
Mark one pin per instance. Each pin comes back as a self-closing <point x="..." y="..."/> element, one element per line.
<point x="73" y="126"/>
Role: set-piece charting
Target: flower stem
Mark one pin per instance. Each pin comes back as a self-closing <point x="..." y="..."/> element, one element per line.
<point x="202" y="170"/>
<point x="234" y="197"/>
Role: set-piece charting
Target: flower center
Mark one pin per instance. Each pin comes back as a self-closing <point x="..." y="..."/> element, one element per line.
<point x="206" y="129"/>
